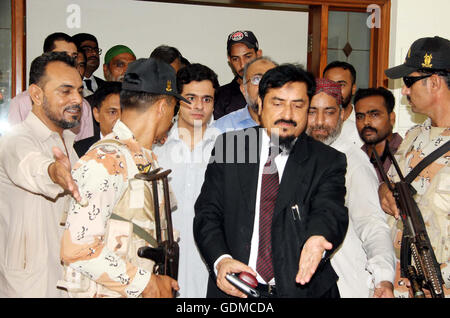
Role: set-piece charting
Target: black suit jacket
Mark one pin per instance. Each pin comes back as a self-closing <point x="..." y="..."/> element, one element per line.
<point x="314" y="179"/>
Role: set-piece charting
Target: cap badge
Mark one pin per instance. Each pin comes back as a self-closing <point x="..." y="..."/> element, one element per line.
<point x="237" y="36"/>
<point x="169" y="86"/>
<point x="427" y="60"/>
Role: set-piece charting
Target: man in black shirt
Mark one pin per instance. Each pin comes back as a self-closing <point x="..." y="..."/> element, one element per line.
<point x="242" y="47"/>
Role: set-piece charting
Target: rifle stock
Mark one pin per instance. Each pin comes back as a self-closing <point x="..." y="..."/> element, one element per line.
<point x="416" y="245"/>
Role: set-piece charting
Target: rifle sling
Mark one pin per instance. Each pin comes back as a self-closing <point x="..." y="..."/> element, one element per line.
<point x="139" y="231"/>
<point x="426" y="161"/>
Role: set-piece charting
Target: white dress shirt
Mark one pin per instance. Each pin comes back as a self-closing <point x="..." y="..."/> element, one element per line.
<point x="280" y="162"/>
<point x="366" y="256"/>
<point x="186" y="179"/>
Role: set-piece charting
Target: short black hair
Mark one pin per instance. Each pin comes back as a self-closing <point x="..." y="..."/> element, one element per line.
<point x="140" y="101"/>
<point x="343" y="65"/>
<point x="389" y="99"/>
<point x="81" y="37"/>
<point x="49" y="42"/>
<point x="285" y="73"/>
<point x="39" y="65"/>
<point x="166" y="53"/>
<point x="184" y="61"/>
<point x="196" y="72"/>
<point x="108" y="88"/>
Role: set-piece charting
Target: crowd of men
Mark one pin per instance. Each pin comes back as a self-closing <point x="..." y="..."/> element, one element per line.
<point x="273" y="174"/>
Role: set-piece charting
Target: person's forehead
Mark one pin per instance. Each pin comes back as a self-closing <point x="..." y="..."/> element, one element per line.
<point x="200" y="88"/>
<point x="259" y="67"/>
<point x="338" y="73"/>
<point x="63" y="46"/>
<point x="369" y="103"/>
<point x="111" y="101"/>
<point x="238" y="49"/>
<point x="293" y="90"/>
<point x="59" y="73"/>
<point x="124" y="56"/>
<point x="89" y="43"/>
<point x="323" y="100"/>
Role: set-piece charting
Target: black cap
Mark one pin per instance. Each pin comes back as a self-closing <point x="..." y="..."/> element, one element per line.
<point x="151" y="76"/>
<point x="424" y="53"/>
<point x="246" y="37"/>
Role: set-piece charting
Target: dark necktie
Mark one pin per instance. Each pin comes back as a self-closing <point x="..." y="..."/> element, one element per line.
<point x="89" y="85"/>
<point x="269" y="193"/>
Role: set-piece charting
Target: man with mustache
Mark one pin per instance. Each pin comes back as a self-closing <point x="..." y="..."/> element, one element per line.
<point x="117" y="59"/>
<point x="344" y="74"/>
<point x="365" y="263"/>
<point x="272" y="203"/>
<point x="426" y="77"/>
<point x="247" y="116"/>
<point x="89" y="44"/>
<point x="35" y="162"/>
<point x="375" y="119"/>
<point x="21" y="104"/>
<point x="186" y="152"/>
<point x="242" y="47"/>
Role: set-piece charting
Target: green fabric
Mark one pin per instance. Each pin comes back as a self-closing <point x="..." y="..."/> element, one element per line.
<point x="116" y="50"/>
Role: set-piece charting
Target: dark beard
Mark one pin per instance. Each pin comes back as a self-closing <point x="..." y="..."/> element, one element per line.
<point x="61" y="122"/>
<point x="347" y="101"/>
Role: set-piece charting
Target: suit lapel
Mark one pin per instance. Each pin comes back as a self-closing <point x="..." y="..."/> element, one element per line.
<point x="248" y="174"/>
<point x="293" y="174"/>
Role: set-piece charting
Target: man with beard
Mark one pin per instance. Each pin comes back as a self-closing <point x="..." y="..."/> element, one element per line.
<point x="116" y="62"/>
<point x="20" y="105"/>
<point x="375" y="119"/>
<point x="89" y="44"/>
<point x="247" y="116"/>
<point x="35" y="161"/>
<point x="344" y="74"/>
<point x="365" y="261"/>
<point x="242" y="47"/>
<point x="272" y="203"/>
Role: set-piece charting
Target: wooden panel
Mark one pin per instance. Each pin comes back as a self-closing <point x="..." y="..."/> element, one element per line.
<point x="18" y="57"/>
<point x="317" y="39"/>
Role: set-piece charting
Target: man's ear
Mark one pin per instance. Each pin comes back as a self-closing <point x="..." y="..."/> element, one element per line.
<point x="354" y="89"/>
<point x="105" y="70"/>
<point x="36" y="94"/>
<point x="242" y="88"/>
<point x="259" y="53"/>
<point x="259" y="106"/>
<point x="96" y="114"/>
<point x="392" y="118"/>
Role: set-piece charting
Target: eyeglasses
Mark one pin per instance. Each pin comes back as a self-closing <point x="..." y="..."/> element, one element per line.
<point x="410" y="80"/>
<point x="255" y="79"/>
<point x="89" y="49"/>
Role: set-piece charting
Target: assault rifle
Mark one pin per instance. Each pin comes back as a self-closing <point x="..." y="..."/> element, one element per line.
<point x="425" y="271"/>
<point x="166" y="254"/>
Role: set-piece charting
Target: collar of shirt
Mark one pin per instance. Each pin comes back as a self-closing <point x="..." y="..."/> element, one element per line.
<point x="209" y="135"/>
<point x="43" y="133"/>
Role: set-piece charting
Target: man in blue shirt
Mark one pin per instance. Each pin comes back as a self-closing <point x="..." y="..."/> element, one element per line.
<point x="247" y="116"/>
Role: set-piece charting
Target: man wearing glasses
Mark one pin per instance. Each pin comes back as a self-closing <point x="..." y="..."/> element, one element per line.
<point x="89" y="44"/>
<point x="426" y="77"/>
<point x="247" y="116"/>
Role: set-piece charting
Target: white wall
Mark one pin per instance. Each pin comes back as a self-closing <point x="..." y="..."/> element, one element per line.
<point x="411" y="20"/>
<point x="199" y="32"/>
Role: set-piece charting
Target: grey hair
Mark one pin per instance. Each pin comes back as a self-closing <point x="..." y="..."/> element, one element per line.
<point x="266" y="58"/>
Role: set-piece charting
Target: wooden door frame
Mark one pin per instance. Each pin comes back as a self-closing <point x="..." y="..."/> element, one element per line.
<point x="18" y="46"/>
<point x="317" y="37"/>
<point x="318" y="34"/>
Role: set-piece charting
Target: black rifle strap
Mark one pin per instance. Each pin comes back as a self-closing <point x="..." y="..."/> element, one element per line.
<point x="426" y="161"/>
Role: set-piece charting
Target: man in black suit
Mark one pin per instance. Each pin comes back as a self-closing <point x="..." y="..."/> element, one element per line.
<point x="286" y="238"/>
<point x="106" y="111"/>
<point x="89" y="44"/>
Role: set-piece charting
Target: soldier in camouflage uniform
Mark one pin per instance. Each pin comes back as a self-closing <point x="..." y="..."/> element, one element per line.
<point x="426" y="74"/>
<point x="100" y="250"/>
